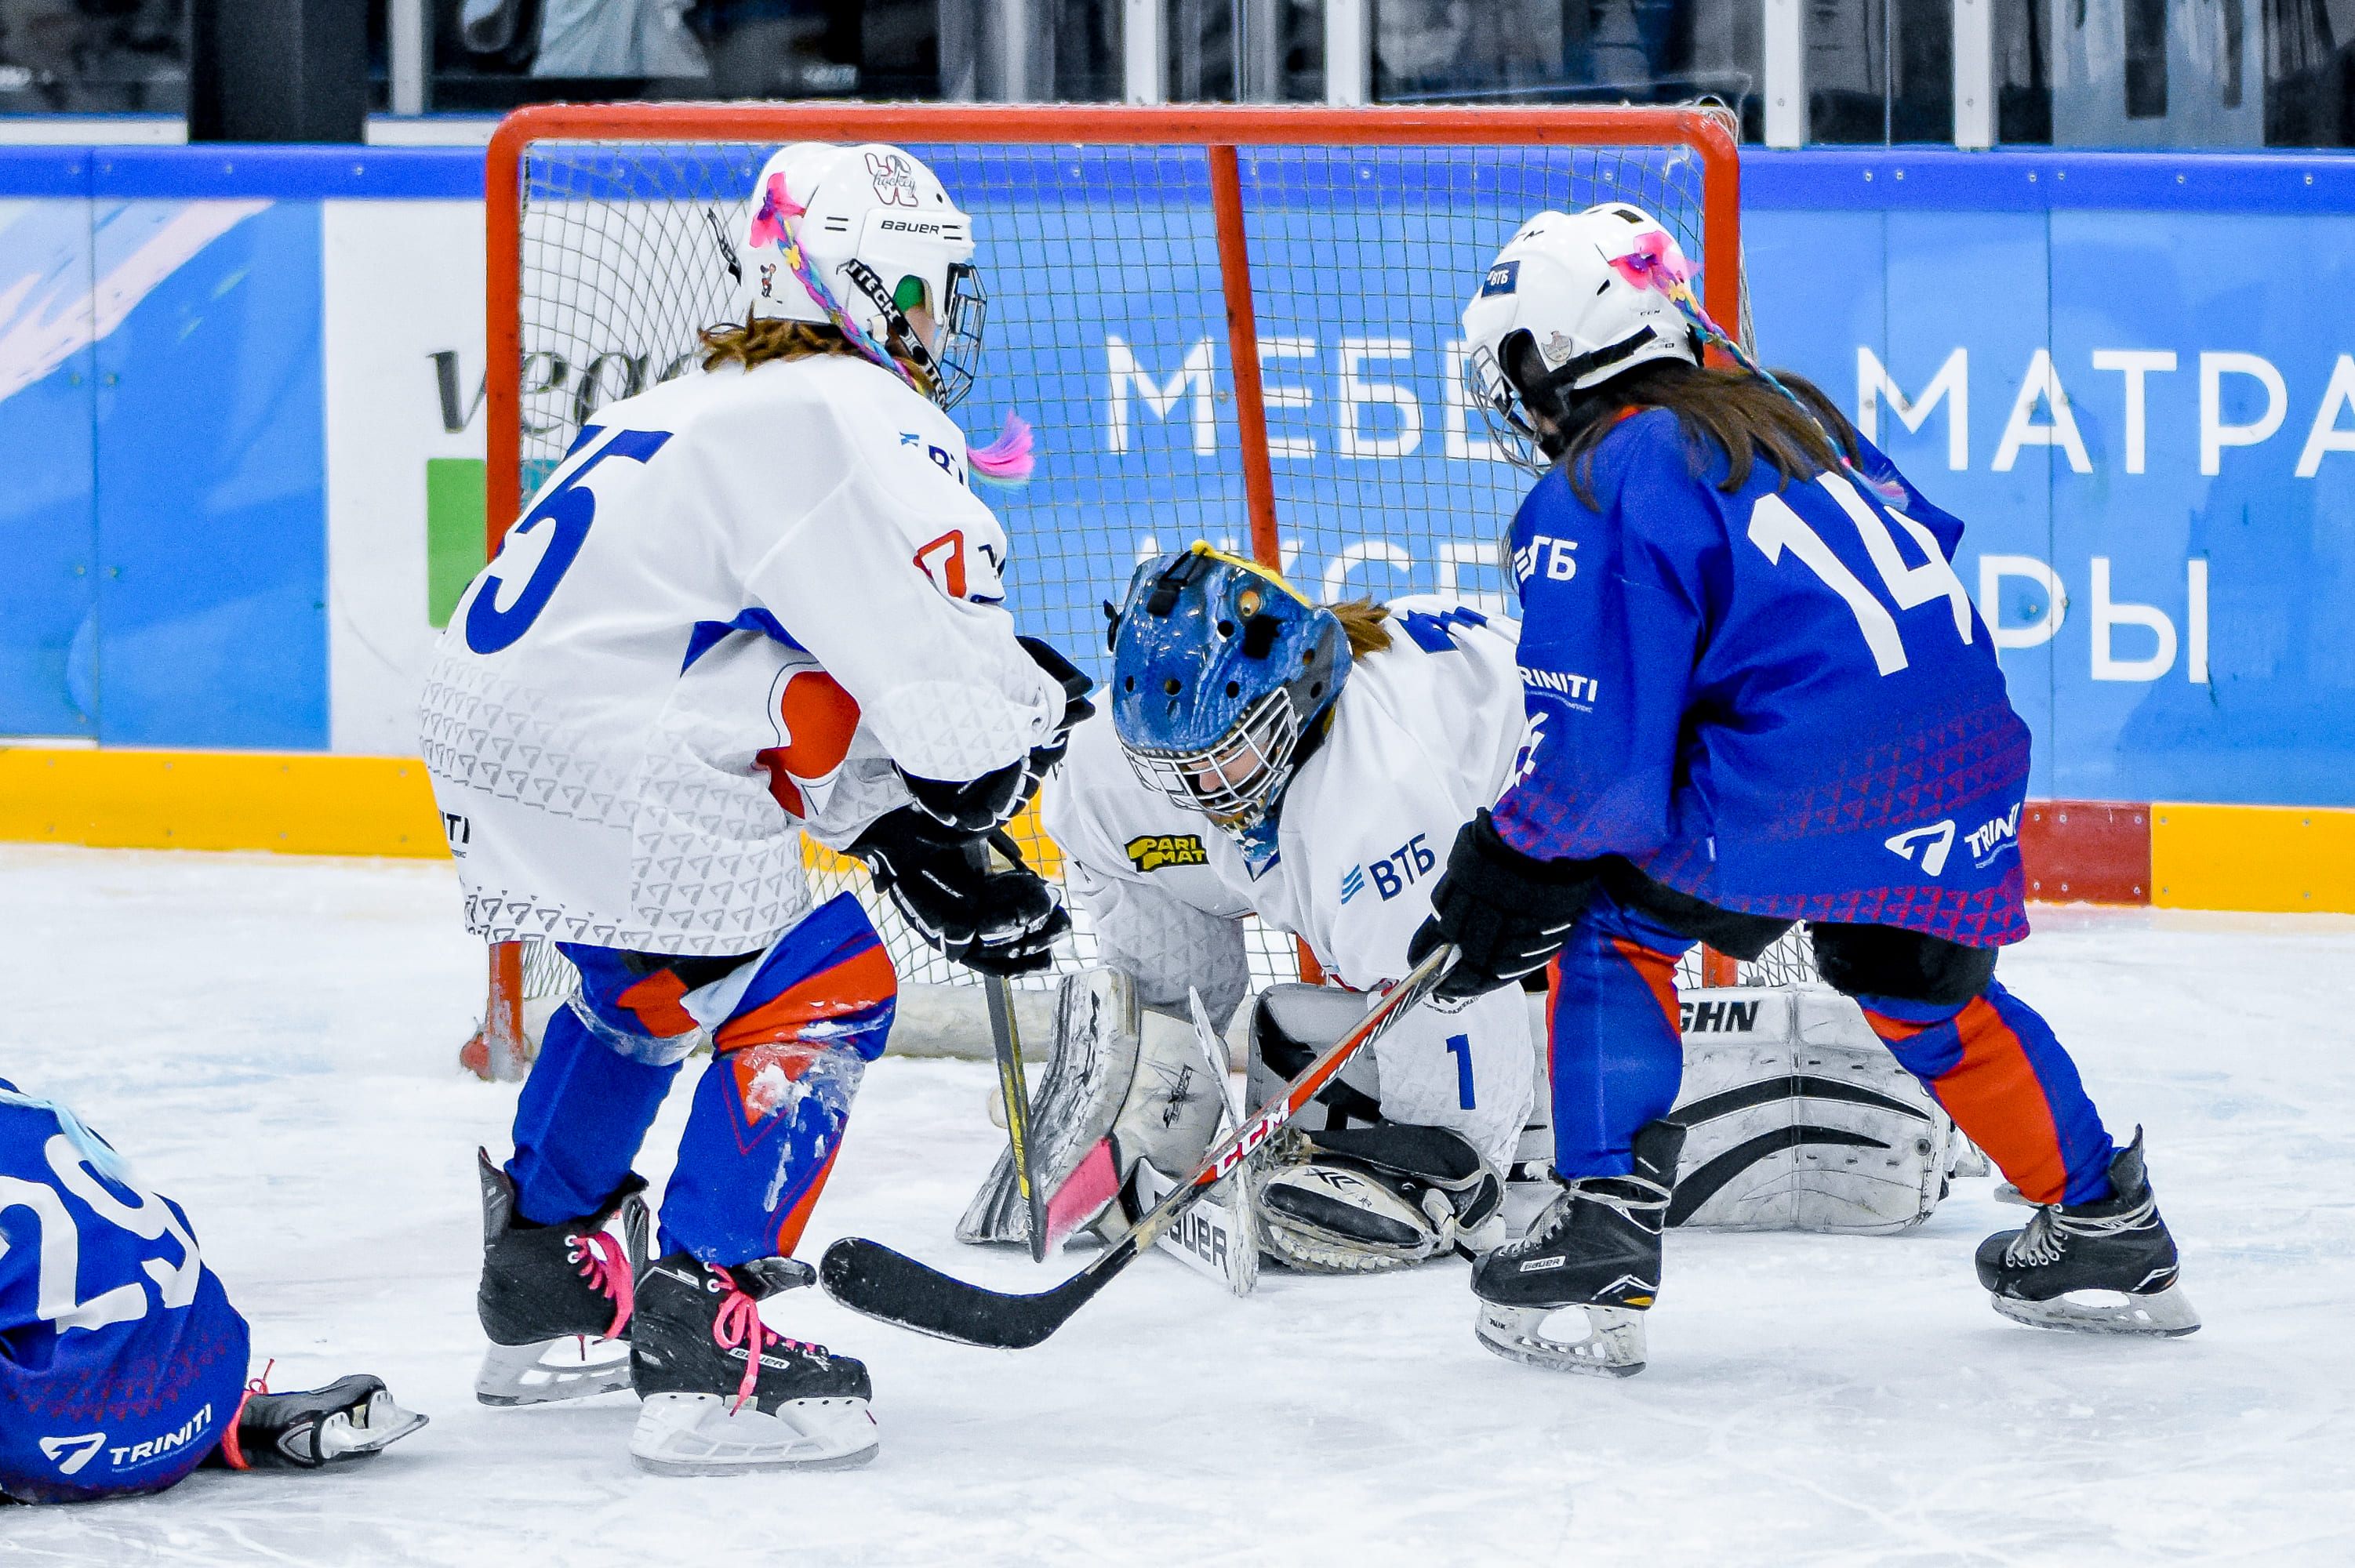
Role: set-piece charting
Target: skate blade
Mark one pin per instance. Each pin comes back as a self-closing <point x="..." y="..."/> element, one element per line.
<point x="381" y="1423"/>
<point x="1613" y="1345"/>
<point x="569" y="1367"/>
<point x="2163" y="1314"/>
<point x="695" y="1435"/>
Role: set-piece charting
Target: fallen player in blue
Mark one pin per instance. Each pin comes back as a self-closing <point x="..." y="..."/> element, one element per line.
<point x="1756" y="695"/>
<point x="122" y="1363"/>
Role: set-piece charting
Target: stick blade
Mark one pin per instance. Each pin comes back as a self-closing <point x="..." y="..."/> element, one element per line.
<point x="871" y="1278"/>
<point x="1082" y="1198"/>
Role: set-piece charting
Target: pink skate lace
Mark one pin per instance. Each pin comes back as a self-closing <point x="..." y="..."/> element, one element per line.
<point x="232" y="1452"/>
<point x="607" y="1269"/>
<point x="739" y="1325"/>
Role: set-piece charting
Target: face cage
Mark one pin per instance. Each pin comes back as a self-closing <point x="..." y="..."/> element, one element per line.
<point x="1265" y="736"/>
<point x="958" y="356"/>
<point x="1487" y="389"/>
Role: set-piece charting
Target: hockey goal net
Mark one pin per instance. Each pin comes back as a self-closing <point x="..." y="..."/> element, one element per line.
<point x="1239" y="324"/>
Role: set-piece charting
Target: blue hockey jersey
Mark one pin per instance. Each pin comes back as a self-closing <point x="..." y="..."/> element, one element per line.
<point x="122" y="1361"/>
<point x="1780" y="700"/>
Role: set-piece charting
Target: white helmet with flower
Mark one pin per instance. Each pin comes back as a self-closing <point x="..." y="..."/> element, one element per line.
<point x="1595" y="294"/>
<point x="860" y="237"/>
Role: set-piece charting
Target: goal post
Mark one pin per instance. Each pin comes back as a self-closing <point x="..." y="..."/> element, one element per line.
<point x="1232" y="322"/>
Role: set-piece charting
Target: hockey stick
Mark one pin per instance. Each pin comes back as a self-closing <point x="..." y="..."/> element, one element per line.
<point x="870" y="1277"/>
<point x="1007" y="1039"/>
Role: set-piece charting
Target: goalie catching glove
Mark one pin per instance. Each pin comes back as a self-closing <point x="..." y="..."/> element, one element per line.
<point x="1371" y="1199"/>
<point x="995" y="917"/>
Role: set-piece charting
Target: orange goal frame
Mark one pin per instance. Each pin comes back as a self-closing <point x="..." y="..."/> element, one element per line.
<point x="1219" y="129"/>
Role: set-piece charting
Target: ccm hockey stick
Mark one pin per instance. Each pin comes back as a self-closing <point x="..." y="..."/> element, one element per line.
<point x="870" y="1277"/>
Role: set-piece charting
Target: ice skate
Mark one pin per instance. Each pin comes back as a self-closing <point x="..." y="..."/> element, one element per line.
<point x="2093" y="1268"/>
<point x="1595" y="1250"/>
<point x="725" y="1393"/>
<point x="351" y="1418"/>
<point x="555" y="1300"/>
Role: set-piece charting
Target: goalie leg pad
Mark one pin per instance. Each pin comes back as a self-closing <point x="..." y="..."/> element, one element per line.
<point x="1116" y="1072"/>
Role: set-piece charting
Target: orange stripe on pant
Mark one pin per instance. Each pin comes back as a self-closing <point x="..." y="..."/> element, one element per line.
<point x="1659" y="973"/>
<point x="789" y="1229"/>
<point x="858" y="984"/>
<point x="1994" y="1095"/>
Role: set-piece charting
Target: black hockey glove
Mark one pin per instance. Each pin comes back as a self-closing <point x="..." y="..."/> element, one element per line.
<point x="1076" y="706"/>
<point x="997" y="919"/>
<point x="1508" y="913"/>
<point x="967" y="809"/>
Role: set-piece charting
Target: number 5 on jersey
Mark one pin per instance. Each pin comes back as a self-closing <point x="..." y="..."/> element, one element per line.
<point x="568" y="510"/>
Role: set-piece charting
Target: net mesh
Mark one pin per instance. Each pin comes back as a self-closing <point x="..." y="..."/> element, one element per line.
<point x="1107" y="333"/>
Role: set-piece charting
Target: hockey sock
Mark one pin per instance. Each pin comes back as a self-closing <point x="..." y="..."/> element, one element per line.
<point x="770" y="1110"/>
<point x="1614" y="1044"/>
<point x="583" y="1112"/>
<point x="1994" y="1064"/>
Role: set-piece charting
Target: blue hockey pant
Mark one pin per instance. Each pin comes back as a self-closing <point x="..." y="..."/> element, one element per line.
<point x="1614" y="1045"/>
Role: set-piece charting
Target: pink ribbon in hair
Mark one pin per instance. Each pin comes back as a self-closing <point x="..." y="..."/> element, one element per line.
<point x="776" y="206"/>
<point x="1007" y="460"/>
<point x="1656" y="263"/>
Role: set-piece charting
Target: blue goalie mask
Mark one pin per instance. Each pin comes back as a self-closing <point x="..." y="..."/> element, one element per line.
<point x="1219" y="669"/>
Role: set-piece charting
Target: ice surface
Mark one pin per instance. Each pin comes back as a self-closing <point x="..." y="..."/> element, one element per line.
<point x="272" y="1041"/>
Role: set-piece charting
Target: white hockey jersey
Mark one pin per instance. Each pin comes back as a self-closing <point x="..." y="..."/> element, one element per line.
<point x="738" y="601"/>
<point x="1424" y="734"/>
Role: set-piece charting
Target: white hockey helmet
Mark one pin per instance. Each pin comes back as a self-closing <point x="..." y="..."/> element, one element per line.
<point x="1594" y="293"/>
<point x="877" y="236"/>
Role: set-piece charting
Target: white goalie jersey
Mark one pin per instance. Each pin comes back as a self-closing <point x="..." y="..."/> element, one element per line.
<point x="1424" y="734"/>
<point x="740" y="598"/>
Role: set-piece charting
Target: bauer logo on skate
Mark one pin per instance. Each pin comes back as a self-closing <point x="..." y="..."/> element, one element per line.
<point x="1154" y="850"/>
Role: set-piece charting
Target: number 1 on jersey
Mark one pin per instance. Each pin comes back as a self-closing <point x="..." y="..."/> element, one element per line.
<point x="1460" y="1047"/>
